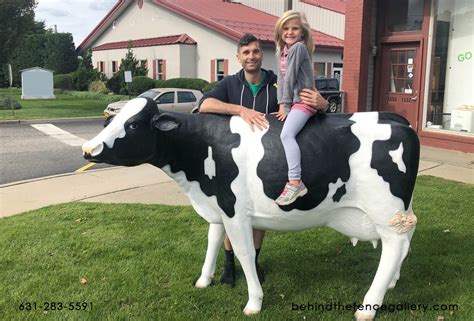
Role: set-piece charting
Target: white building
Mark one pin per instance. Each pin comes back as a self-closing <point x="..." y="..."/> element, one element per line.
<point x="37" y="83"/>
<point x="192" y="38"/>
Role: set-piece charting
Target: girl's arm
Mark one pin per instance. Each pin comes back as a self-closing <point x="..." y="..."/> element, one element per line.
<point x="296" y="55"/>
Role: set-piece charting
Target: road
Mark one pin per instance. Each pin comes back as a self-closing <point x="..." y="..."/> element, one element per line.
<point x="35" y="149"/>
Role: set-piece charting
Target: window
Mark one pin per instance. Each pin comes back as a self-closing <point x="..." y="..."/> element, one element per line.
<point x="319" y="69"/>
<point x="321" y="84"/>
<point x="220" y="72"/>
<point x="451" y="98"/>
<point x="402" y="71"/>
<point x="101" y="66"/>
<point x="166" y="98"/>
<point x="186" y="97"/>
<point x="333" y="85"/>
<point x="114" y="66"/>
<point x="404" y="15"/>
<point x="160" y="69"/>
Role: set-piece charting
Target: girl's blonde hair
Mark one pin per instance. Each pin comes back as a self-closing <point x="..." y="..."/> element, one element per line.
<point x="306" y="36"/>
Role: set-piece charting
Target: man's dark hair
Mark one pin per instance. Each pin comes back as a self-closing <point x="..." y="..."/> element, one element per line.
<point x="247" y="39"/>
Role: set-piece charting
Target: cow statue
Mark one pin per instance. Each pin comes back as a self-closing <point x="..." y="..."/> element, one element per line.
<point x="360" y="171"/>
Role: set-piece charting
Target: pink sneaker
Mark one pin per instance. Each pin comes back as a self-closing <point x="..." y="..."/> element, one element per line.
<point x="291" y="193"/>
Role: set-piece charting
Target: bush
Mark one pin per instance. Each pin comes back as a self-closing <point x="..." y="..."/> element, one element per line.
<point x="82" y="77"/>
<point x="187" y="83"/>
<point x="210" y="86"/>
<point x="7" y="102"/>
<point x="140" y="84"/>
<point x="63" y="81"/>
<point x="98" y="96"/>
<point x="160" y="83"/>
<point x="98" y="86"/>
<point x="116" y="83"/>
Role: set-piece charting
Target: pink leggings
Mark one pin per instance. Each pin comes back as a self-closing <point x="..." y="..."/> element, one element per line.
<point x="293" y="124"/>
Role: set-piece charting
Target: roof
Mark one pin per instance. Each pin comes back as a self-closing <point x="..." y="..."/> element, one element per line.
<point x="227" y="18"/>
<point x="148" y="42"/>
<point x="36" y="68"/>
<point x="235" y="19"/>
<point x="333" y="5"/>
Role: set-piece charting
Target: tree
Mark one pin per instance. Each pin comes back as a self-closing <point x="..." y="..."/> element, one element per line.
<point x="16" y="19"/>
<point x="60" y="53"/>
<point x="129" y="63"/>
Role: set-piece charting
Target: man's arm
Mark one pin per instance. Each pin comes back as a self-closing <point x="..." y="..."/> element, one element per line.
<point x="252" y="117"/>
<point x="313" y="98"/>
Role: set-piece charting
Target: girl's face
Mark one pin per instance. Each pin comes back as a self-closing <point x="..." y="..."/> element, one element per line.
<point x="292" y="32"/>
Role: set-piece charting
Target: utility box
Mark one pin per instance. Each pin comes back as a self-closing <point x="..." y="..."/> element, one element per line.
<point x="37" y="83"/>
<point x="462" y="119"/>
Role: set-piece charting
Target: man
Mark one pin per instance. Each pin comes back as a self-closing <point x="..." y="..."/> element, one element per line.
<point x="251" y="94"/>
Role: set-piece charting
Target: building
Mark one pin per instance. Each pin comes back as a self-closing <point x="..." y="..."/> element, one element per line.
<point x="192" y="38"/>
<point x="37" y="83"/>
<point x="414" y="57"/>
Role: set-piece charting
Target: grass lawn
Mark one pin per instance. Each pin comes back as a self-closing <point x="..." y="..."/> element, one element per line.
<point x="140" y="262"/>
<point x="64" y="106"/>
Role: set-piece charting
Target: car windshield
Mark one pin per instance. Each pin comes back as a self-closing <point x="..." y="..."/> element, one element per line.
<point x="149" y="94"/>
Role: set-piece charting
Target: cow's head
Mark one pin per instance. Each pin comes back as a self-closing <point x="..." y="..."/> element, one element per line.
<point x="131" y="138"/>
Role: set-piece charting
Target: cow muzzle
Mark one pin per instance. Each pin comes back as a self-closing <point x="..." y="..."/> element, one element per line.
<point x="92" y="149"/>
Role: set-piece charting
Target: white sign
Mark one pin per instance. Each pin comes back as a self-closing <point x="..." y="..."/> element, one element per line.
<point x="410" y="61"/>
<point x="410" y="75"/>
<point x="128" y="76"/>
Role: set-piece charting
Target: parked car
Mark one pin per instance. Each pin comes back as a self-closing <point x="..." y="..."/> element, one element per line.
<point x="167" y="99"/>
<point x="329" y="89"/>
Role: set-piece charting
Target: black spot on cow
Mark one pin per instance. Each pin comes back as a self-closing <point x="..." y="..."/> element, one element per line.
<point x="401" y="184"/>
<point x="183" y="143"/>
<point x="341" y="191"/>
<point x="326" y="143"/>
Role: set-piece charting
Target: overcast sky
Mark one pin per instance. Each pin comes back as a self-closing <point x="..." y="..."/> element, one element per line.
<point x="77" y="17"/>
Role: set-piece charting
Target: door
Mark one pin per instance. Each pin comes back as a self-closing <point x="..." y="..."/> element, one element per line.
<point x="166" y="101"/>
<point x="400" y="80"/>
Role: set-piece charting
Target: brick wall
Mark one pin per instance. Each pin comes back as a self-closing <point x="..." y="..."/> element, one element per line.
<point x="357" y="53"/>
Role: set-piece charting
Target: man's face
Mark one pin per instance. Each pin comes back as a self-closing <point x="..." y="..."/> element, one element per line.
<point x="250" y="57"/>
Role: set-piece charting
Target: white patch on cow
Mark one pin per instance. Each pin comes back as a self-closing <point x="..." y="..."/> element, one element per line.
<point x="205" y="206"/>
<point x="209" y="164"/>
<point x="116" y="128"/>
<point x="397" y="158"/>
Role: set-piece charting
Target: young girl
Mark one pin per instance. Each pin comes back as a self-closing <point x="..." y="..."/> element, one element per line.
<point x="294" y="49"/>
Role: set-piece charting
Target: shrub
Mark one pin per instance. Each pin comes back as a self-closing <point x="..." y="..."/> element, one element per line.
<point x="160" y="83"/>
<point x="140" y="84"/>
<point x="82" y="77"/>
<point x="7" y="102"/>
<point x="209" y="86"/>
<point x="63" y="81"/>
<point x="187" y="83"/>
<point x="98" y="86"/>
<point x="116" y="83"/>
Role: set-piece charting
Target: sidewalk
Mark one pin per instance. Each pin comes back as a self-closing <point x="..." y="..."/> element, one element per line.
<point x="149" y="185"/>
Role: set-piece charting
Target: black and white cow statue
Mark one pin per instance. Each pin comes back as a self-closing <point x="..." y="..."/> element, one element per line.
<point x="360" y="171"/>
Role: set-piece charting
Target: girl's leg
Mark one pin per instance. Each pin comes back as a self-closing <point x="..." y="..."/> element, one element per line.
<point x="293" y="124"/>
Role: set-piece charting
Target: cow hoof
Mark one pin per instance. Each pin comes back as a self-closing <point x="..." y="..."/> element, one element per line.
<point x="363" y="316"/>
<point x="202" y="282"/>
<point x="249" y="312"/>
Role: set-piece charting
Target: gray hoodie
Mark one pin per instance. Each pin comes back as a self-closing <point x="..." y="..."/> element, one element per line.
<point x="298" y="75"/>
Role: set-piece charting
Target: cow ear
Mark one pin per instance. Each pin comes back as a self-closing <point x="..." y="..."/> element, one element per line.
<point x="165" y="122"/>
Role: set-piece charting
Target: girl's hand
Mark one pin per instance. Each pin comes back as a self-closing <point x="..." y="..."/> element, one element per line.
<point x="281" y="113"/>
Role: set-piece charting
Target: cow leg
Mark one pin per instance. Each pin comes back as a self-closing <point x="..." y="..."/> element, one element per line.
<point x="241" y="236"/>
<point x="214" y="241"/>
<point x="394" y="248"/>
<point x="396" y="277"/>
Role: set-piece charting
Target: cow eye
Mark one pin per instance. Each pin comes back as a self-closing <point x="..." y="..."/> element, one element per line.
<point x="133" y="126"/>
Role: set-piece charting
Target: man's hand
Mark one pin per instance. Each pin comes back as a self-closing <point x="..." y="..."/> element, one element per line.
<point x="253" y="118"/>
<point x="281" y="113"/>
<point x="313" y="98"/>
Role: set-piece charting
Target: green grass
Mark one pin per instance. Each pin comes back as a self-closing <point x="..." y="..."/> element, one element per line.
<point x="64" y="106"/>
<point x="141" y="261"/>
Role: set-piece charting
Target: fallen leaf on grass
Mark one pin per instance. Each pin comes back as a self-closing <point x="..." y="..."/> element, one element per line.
<point x="84" y="281"/>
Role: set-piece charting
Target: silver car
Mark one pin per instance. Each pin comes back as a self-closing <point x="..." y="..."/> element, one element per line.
<point x="167" y="99"/>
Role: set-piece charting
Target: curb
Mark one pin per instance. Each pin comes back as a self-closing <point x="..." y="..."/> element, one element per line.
<point x="69" y="119"/>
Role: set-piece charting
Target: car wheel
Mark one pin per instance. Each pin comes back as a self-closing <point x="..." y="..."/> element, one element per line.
<point x="333" y="106"/>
